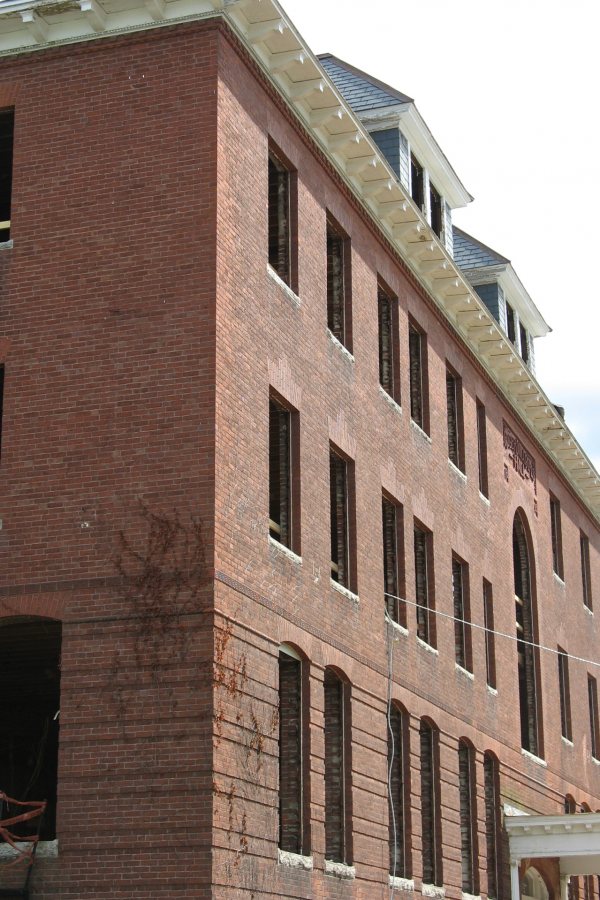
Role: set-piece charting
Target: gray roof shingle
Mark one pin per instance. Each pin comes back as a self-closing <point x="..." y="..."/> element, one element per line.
<point x="360" y="91"/>
<point x="470" y="253"/>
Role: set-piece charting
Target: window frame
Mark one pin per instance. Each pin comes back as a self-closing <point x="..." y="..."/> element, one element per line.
<point x="389" y="382"/>
<point x="342" y="847"/>
<point x="463" y="649"/>
<point x="468" y="818"/>
<point x="564" y="695"/>
<point x="287" y="533"/>
<point x="556" y="537"/>
<point x="285" y="216"/>
<point x="303" y="800"/>
<point x="394" y="570"/>
<point x="399" y="764"/>
<point x="586" y="570"/>
<point x="432" y="856"/>
<point x="345" y="538"/>
<point x="7" y="143"/>
<point x="490" y="640"/>
<point x="482" y="461"/>
<point x="418" y="376"/>
<point x="339" y="299"/>
<point x="425" y="611"/>
<point x="594" y="722"/>
<point x="455" y="418"/>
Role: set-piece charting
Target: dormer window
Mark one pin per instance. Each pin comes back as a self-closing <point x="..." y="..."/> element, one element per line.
<point x="417" y="182"/>
<point x="435" y="205"/>
<point x="524" y="343"/>
<point x="510" y="324"/>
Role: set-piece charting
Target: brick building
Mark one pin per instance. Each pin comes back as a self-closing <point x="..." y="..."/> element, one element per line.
<point x="298" y="560"/>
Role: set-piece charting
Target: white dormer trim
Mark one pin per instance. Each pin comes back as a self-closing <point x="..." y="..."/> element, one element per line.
<point x="409" y="120"/>
<point x="515" y="293"/>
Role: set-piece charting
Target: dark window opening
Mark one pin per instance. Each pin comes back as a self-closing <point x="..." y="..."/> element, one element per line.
<point x="393" y="560"/>
<point x="565" y="695"/>
<point x="30" y="651"/>
<point x="417" y="348"/>
<point x="586" y="572"/>
<point x="462" y="626"/>
<point x="430" y="805"/>
<point x="293" y="758"/>
<point x="399" y="793"/>
<point x="527" y="654"/>
<point x="593" y="707"/>
<point x="281" y="220"/>
<point x="493" y="823"/>
<point x="435" y="203"/>
<point x="7" y="129"/>
<point x="424" y="594"/>
<point x="283" y="476"/>
<point x="341" y="486"/>
<point x="524" y="344"/>
<point x="510" y="324"/>
<point x="339" y="301"/>
<point x="556" y="532"/>
<point x="417" y="189"/>
<point x="454" y="415"/>
<point x="482" y="449"/>
<point x="389" y="353"/>
<point x="490" y="644"/>
<point x="338" y="812"/>
<point x="468" y="819"/>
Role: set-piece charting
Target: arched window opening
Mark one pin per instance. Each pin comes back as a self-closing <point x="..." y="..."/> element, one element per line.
<point x="468" y="818"/>
<point x="493" y="824"/>
<point x="294" y="804"/>
<point x="430" y="804"/>
<point x="527" y="654"/>
<point x="338" y="797"/>
<point x="399" y="792"/>
<point x="29" y="712"/>
<point x="533" y="886"/>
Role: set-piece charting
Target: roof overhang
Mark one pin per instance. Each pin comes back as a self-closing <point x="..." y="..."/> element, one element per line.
<point x="296" y="74"/>
<point x="409" y="120"/>
<point x="572" y="839"/>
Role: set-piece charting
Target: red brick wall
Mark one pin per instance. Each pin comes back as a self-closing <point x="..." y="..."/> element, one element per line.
<point x="265" y="338"/>
<point x="107" y="321"/>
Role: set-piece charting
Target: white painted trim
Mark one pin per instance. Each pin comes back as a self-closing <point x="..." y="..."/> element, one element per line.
<point x="340" y="870"/>
<point x="342" y="590"/>
<point x="294" y="860"/>
<point x="285" y="551"/>
<point x="289" y="293"/>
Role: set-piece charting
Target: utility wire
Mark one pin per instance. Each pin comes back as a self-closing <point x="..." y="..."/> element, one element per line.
<point x="510" y="637"/>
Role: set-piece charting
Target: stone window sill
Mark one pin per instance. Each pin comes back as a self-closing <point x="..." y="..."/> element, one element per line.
<point x="294" y="860"/>
<point x="344" y="591"/>
<point x="289" y="293"/>
<point x="285" y="551"/>
<point x="340" y="870"/>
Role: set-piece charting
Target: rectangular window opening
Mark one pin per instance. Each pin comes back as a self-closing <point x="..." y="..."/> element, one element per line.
<point x="490" y="643"/>
<point x="417" y="182"/>
<point x="338" y="799"/>
<point x="282" y="220"/>
<point x="424" y="585"/>
<point x="417" y="348"/>
<point x="524" y="343"/>
<point x="435" y="204"/>
<point x="293" y="831"/>
<point x="462" y="625"/>
<point x="586" y="572"/>
<point x="454" y="414"/>
<point x="339" y="284"/>
<point x="389" y="351"/>
<point x="284" y="481"/>
<point x="510" y="324"/>
<point x="565" y="695"/>
<point x="593" y="707"/>
<point x="556" y="531"/>
<point x="482" y="449"/>
<point x="343" y="521"/>
<point x="393" y="560"/>
<point x="7" y="130"/>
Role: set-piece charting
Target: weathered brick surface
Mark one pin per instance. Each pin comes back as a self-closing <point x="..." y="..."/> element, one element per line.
<point x="141" y="332"/>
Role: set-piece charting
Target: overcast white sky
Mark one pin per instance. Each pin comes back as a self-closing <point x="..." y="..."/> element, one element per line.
<point x="510" y="91"/>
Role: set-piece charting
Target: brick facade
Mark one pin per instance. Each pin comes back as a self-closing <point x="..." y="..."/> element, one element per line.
<point x="142" y="334"/>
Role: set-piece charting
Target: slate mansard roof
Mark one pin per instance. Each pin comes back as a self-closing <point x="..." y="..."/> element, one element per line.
<point x="360" y="91"/>
<point x="469" y="253"/>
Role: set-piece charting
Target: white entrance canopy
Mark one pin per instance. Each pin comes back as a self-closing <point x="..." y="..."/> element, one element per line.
<point x="574" y="840"/>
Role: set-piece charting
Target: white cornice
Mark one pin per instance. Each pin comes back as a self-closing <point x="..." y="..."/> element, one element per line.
<point x="268" y="33"/>
<point x="515" y="292"/>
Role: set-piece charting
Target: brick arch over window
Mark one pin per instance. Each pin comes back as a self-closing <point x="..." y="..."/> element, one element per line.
<point x="338" y="767"/>
<point x="526" y="625"/>
<point x="294" y="750"/>
<point x="30" y="650"/>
